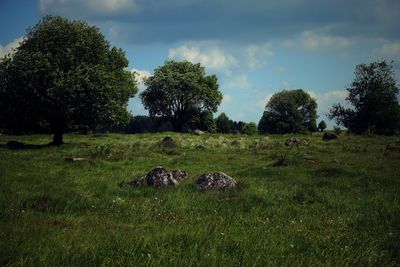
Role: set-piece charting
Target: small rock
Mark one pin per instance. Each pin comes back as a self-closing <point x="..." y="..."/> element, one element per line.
<point x="74" y="159"/>
<point x="393" y="147"/>
<point x="168" y="141"/>
<point x="15" y="144"/>
<point x="329" y="136"/>
<point x="198" y="132"/>
<point x="296" y="141"/>
<point x="216" y="180"/>
<point x="179" y="174"/>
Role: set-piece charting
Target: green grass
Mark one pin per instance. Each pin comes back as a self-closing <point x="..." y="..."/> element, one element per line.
<point x="333" y="203"/>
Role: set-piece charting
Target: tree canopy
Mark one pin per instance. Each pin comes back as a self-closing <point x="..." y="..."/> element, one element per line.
<point x="373" y="100"/>
<point x="64" y="72"/>
<point x="180" y="92"/>
<point x="289" y="112"/>
<point x="322" y="125"/>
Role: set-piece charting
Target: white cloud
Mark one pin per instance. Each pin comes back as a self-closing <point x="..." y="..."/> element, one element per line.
<point x="240" y="81"/>
<point x="209" y="56"/>
<point x="141" y="75"/>
<point x="100" y="7"/>
<point x="391" y="49"/>
<point x="313" y="42"/>
<point x="256" y="55"/>
<point x="9" y="48"/>
<point x="325" y="100"/>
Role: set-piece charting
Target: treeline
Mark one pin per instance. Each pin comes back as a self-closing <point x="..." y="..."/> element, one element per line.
<point x="222" y="124"/>
<point x="55" y="84"/>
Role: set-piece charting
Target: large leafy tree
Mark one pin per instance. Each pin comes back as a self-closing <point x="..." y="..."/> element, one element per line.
<point x="373" y="100"/>
<point x="180" y="92"/>
<point x="63" y="73"/>
<point x="291" y="111"/>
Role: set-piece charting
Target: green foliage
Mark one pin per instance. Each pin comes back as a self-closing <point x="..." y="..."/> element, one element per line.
<point x="180" y="92"/>
<point x="321" y="202"/>
<point x="64" y="73"/>
<point x="223" y="123"/>
<point x="373" y="96"/>
<point x="322" y="125"/>
<point x="207" y="122"/>
<point x="250" y="128"/>
<point x="289" y="112"/>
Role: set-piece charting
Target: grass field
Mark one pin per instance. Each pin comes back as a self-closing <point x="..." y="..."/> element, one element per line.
<point x="333" y="203"/>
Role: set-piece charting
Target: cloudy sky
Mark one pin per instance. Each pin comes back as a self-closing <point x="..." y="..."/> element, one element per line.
<point x="255" y="47"/>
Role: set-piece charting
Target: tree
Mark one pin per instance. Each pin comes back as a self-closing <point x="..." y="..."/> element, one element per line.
<point x="207" y="122"/>
<point x="322" y="125"/>
<point x="289" y="112"/>
<point x="180" y="91"/>
<point x="223" y="123"/>
<point x="250" y="128"/>
<point x="373" y="97"/>
<point x="64" y="73"/>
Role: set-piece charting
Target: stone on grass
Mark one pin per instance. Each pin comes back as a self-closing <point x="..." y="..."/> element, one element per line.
<point x="159" y="177"/>
<point x="296" y="141"/>
<point x="216" y="181"/>
<point x="74" y="159"/>
<point x="198" y="132"/>
<point x="329" y="136"/>
<point x="168" y="141"/>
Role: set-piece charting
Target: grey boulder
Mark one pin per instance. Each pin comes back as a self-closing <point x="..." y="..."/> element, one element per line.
<point x="216" y="180"/>
<point x="159" y="177"/>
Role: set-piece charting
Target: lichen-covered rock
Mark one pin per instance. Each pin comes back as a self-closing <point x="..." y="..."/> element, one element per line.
<point x="216" y="180"/>
<point x="329" y="136"/>
<point x="296" y="141"/>
<point x="179" y="174"/>
<point x="159" y="177"/>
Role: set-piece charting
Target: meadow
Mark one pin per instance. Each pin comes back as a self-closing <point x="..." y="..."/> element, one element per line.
<point x="328" y="203"/>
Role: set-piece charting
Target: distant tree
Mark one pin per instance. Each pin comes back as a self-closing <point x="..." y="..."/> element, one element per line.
<point x="180" y="91"/>
<point x="373" y="97"/>
<point x="250" y="128"/>
<point x="64" y="73"/>
<point x="223" y="124"/>
<point x="146" y="124"/>
<point x="237" y="126"/>
<point x="207" y="122"/>
<point x="322" y="125"/>
<point x="289" y="112"/>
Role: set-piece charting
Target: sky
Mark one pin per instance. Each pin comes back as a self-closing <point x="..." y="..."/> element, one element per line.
<point x="255" y="47"/>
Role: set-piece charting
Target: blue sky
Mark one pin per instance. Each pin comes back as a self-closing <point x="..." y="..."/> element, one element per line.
<point x="256" y="48"/>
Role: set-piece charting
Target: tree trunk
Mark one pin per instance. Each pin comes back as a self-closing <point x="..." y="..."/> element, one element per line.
<point x="58" y="131"/>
